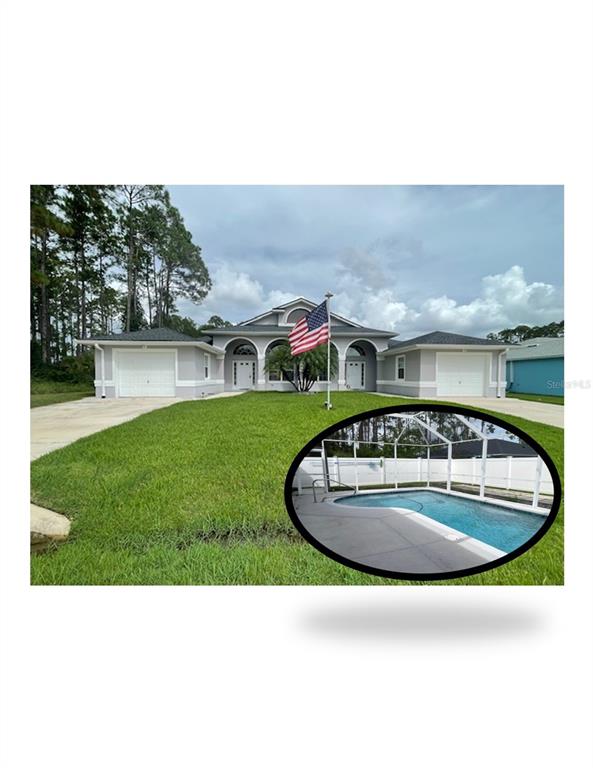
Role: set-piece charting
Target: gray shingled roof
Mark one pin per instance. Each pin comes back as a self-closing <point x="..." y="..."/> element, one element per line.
<point x="440" y="337"/>
<point x="496" y="447"/>
<point x="337" y="330"/>
<point x="148" y="334"/>
<point x="533" y="349"/>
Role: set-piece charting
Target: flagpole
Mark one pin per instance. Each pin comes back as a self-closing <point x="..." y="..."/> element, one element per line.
<point x="328" y="403"/>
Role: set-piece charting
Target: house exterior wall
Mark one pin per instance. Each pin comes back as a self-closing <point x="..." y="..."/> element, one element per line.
<point x="421" y="374"/>
<point x="380" y="376"/>
<point x="189" y="371"/>
<point x="540" y="376"/>
<point x="263" y="341"/>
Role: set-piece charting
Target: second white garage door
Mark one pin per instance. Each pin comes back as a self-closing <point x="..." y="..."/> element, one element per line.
<point x="461" y="374"/>
<point x="145" y="373"/>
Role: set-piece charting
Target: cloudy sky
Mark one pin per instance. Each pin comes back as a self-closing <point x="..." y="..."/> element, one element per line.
<point x="405" y="258"/>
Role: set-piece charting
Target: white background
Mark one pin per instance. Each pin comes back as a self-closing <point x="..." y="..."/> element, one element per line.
<point x="373" y="92"/>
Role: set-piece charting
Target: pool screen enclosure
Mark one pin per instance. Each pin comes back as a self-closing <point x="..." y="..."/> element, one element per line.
<point x="387" y="463"/>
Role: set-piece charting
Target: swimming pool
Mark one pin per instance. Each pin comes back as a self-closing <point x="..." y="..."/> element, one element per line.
<point x="503" y="528"/>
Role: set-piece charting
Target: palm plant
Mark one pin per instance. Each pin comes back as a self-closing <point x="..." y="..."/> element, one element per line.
<point x="301" y="370"/>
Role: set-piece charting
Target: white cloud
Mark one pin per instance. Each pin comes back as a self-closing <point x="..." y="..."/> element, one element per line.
<point x="235" y="294"/>
<point x="506" y="300"/>
<point x="229" y="286"/>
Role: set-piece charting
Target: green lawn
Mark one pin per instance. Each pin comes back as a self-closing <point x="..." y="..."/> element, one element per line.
<point x="193" y="494"/>
<point x="45" y="392"/>
<point x="554" y="399"/>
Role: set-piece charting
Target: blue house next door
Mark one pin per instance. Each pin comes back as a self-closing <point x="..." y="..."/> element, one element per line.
<point x="544" y="376"/>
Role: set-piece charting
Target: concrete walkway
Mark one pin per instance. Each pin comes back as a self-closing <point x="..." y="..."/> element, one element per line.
<point x="545" y="413"/>
<point x="395" y="540"/>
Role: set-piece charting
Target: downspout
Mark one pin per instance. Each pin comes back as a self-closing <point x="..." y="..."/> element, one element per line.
<point x="499" y="372"/>
<point x="102" y="351"/>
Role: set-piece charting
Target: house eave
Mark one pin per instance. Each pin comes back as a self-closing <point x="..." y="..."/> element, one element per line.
<point x="513" y="359"/>
<point x="127" y="343"/>
<point x="446" y="347"/>
<point x="358" y="332"/>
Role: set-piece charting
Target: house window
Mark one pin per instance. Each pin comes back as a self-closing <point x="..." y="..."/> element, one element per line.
<point x="400" y="367"/>
<point x="244" y="349"/>
<point x="355" y="350"/>
<point x="206" y="366"/>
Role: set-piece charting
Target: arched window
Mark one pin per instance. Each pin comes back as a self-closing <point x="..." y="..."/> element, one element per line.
<point x="244" y="349"/>
<point x="296" y="315"/>
<point x="355" y="351"/>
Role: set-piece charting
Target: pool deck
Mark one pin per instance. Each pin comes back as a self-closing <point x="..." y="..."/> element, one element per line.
<point x="398" y="540"/>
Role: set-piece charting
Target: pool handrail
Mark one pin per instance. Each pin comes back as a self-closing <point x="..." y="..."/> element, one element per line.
<point x="335" y="482"/>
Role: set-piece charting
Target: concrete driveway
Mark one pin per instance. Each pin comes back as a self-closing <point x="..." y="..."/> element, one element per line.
<point x="54" y="426"/>
<point x="546" y="413"/>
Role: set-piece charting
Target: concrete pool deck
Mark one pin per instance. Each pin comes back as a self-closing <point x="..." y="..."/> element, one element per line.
<point x="390" y="539"/>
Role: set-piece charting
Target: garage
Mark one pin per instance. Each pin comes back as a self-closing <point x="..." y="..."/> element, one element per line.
<point x="461" y="373"/>
<point x="145" y="373"/>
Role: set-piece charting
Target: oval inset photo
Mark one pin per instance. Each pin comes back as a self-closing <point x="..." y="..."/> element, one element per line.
<point x="423" y="492"/>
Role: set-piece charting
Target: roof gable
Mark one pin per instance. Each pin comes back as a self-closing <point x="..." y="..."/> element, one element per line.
<point x="276" y="314"/>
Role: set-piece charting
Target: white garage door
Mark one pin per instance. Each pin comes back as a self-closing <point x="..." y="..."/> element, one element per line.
<point x="146" y="373"/>
<point x="461" y="374"/>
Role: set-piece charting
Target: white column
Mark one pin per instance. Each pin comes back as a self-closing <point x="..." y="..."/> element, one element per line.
<point x="355" y="465"/>
<point x="449" y="461"/>
<point x="341" y="371"/>
<point x="261" y="372"/>
<point x="395" y="465"/>
<point x="428" y="466"/>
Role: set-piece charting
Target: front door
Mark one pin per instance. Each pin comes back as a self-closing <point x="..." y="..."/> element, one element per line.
<point x="244" y="374"/>
<point x="355" y="374"/>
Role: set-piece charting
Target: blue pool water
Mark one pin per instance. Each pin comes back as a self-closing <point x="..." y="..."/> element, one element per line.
<point x="500" y="527"/>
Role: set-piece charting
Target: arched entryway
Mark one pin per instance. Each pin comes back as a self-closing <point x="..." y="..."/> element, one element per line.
<point x="240" y="364"/>
<point x="361" y="366"/>
<point x="279" y="379"/>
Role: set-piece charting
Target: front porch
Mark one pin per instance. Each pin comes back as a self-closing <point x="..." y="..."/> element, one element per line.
<point x="245" y="367"/>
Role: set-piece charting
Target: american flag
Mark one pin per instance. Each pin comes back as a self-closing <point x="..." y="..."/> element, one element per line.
<point x="311" y="331"/>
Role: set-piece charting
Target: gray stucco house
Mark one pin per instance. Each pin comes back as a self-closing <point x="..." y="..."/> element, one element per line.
<point x="162" y="362"/>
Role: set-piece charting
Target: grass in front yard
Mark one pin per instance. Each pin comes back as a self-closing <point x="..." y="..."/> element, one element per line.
<point x="554" y="399"/>
<point x="193" y="494"/>
<point x="44" y="392"/>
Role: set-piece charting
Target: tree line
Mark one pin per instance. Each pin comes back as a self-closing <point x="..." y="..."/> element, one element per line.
<point x="378" y="434"/>
<point x="524" y="332"/>
<point x="105" y="259"/>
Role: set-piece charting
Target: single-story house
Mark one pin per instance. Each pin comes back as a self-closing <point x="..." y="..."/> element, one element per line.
<point x="162" y="362"/>
<point x="536" y="366"/>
